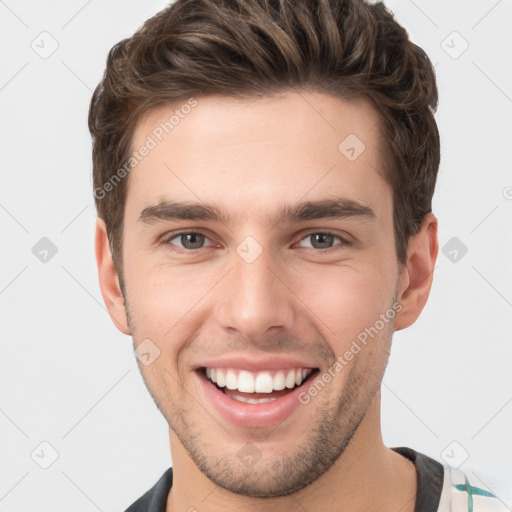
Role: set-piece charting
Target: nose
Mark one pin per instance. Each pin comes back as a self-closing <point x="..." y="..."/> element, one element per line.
<point x="255" y="297"/>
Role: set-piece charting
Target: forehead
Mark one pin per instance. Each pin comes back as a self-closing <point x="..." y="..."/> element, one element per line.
<point x="249" y="155"/>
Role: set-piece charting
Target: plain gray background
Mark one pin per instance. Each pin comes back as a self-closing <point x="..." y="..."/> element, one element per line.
<point x="69" y="379"/>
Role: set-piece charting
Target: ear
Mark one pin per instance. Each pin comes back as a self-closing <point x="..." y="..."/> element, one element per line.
<point x="417" y="275"/>
<point x="109" y="280"/>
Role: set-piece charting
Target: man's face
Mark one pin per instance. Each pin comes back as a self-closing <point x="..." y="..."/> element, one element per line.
<point x="251" y="294"/>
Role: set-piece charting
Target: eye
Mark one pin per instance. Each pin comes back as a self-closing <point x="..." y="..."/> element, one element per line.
<point x="323" y="240"/>
<point x="189" y="240"/>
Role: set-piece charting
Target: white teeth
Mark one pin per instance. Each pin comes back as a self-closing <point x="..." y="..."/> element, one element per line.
<point x="279" y="381"/>
<point x="231" y="380"/>
<point x="260" y="382"/>
<point x="253" y="400"/>
<point x="264" y="383"/>
<point x="245" y="382"/>
<point x="290" y="379"/>
<point x="221" y="378"/>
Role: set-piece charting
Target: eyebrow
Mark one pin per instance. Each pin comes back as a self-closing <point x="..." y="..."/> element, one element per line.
<point x="336" y="208"/>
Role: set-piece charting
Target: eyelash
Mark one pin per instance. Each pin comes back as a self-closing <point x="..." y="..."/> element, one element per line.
<point x="167" y="241"/>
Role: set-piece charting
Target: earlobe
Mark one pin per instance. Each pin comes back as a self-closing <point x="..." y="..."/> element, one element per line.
<point x="416" y="279"/>
<point x="109" y="279"/>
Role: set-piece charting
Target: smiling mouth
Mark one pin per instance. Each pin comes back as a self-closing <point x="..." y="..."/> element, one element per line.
<point x="257" y="387"/>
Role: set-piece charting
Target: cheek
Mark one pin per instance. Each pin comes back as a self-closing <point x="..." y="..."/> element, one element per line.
<point x="163" y="300"/>
<point x="346" y="301"/>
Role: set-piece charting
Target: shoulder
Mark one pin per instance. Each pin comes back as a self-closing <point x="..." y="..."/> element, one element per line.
<point x="464" y="491"/>
<point x="154" y="500"/>
<point x="442" y="488"/>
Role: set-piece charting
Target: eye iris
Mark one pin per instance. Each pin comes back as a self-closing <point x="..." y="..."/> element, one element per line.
<point x="195" y="239"/>
<point x="324" y="239"/>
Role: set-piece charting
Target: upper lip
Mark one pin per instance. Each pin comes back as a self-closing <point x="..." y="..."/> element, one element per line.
<point x="254" y="365"/>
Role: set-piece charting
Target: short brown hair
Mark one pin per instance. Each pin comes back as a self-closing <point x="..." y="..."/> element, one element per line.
<point x="255" y="48"/>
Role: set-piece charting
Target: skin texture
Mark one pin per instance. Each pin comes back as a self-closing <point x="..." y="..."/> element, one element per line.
<point x="249" y="158"/>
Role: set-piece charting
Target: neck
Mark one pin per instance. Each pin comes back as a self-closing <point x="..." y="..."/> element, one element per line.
<point x="367" y="476"/>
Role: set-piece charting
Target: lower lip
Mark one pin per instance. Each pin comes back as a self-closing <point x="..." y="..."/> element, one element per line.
<point x="268" y="414"/>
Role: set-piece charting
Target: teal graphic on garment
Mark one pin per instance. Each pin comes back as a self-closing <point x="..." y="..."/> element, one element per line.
<point x="472" y="491"/>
